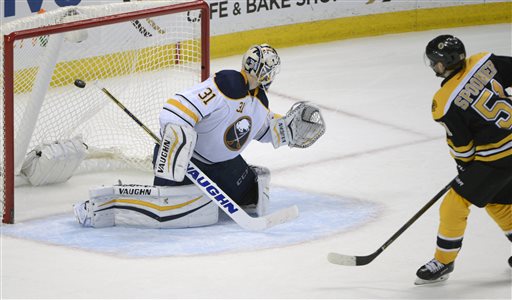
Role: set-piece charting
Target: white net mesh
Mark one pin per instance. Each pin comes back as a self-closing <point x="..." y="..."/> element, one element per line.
<point x="142" y="62"/>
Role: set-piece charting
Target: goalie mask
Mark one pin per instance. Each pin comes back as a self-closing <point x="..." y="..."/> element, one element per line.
<point x="263" y="63"/>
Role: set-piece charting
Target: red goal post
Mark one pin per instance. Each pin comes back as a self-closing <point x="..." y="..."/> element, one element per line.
<point x="143" y="51"/>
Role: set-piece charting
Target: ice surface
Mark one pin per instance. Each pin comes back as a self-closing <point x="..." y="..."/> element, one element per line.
<point x="381" y="147"/>
<point x="320" y="216"/>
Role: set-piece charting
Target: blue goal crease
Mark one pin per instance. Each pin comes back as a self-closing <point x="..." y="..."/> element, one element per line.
<point x="320" y="216"/>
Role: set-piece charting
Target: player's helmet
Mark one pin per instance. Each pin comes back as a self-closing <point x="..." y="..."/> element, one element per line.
<point x="263" y="63"/>
<point x="447" y="50"/>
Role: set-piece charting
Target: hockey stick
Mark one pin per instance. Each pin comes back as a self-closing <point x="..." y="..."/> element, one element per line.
<point x="351" y="260"/>
<point x="210" y="188"/>
<point x="142" y="30"/>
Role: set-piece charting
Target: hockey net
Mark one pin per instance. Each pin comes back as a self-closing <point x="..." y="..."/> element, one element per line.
<point x="142" y="51"/>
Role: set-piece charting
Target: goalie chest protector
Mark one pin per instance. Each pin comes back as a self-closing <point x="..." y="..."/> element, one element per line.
<point x="229" y="115"/>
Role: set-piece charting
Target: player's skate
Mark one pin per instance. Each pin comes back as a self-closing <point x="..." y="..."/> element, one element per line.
<point x="433" y="271"/>
<point x="81" y="210"/>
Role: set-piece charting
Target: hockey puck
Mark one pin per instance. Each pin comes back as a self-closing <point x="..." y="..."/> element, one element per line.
<point x="80" y="83"/>
<point x="510" y="261"/>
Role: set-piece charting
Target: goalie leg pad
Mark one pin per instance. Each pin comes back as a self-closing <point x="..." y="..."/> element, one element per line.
<point x="151" y="207"/>
<point x="263" y="181"/>
<point x="55" y="162"/>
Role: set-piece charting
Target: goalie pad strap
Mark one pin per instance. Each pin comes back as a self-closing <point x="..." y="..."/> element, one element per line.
<point x="175" y="151"/>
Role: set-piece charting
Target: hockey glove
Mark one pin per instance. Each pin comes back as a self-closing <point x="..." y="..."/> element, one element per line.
<point x="302" y="126"/>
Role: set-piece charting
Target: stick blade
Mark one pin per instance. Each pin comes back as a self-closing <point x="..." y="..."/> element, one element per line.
<point x="265" y="222"/>
<point x="341" y="259"/>
<point x="282" y="216"/>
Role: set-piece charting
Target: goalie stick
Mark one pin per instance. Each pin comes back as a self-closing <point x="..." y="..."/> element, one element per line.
<point x="142" y="30"/>
<point x="354" y="260"/>
<point x="214" y="192"/>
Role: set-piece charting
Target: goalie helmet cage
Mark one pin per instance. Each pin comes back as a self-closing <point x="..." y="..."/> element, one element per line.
<point x="144" y="51"/>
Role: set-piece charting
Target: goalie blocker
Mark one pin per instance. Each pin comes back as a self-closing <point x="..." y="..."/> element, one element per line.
<point x="178" y="143"/>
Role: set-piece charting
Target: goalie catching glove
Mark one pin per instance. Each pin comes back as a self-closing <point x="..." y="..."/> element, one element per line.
<point x="175" y="151"/>
<point x="302" y="126"/>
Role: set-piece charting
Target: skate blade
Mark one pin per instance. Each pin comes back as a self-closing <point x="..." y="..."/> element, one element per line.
<point x="420" y="281"/>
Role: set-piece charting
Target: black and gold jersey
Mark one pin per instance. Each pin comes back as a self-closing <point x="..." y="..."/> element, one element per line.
<point x="476" y="111"/>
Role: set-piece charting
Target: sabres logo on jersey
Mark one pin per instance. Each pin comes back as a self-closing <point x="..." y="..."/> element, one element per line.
<point x="237" y="133"/>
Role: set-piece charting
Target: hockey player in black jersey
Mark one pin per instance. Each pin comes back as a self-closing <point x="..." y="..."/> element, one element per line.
<point x="476" y="112"/>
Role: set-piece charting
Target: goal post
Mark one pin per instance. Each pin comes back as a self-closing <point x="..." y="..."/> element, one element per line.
<point x="144" y="51"/>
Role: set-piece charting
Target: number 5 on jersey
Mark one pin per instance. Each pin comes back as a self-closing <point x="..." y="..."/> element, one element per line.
<point x="500" y="111"/>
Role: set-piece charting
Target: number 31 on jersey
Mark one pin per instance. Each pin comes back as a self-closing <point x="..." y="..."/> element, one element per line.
<point x="206" y="95"/>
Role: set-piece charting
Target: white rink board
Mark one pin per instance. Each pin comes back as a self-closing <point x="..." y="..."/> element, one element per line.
<point x="230" y="16"/>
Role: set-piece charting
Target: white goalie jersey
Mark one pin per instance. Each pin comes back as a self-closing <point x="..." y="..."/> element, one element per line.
<point x="224" y="113"/>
